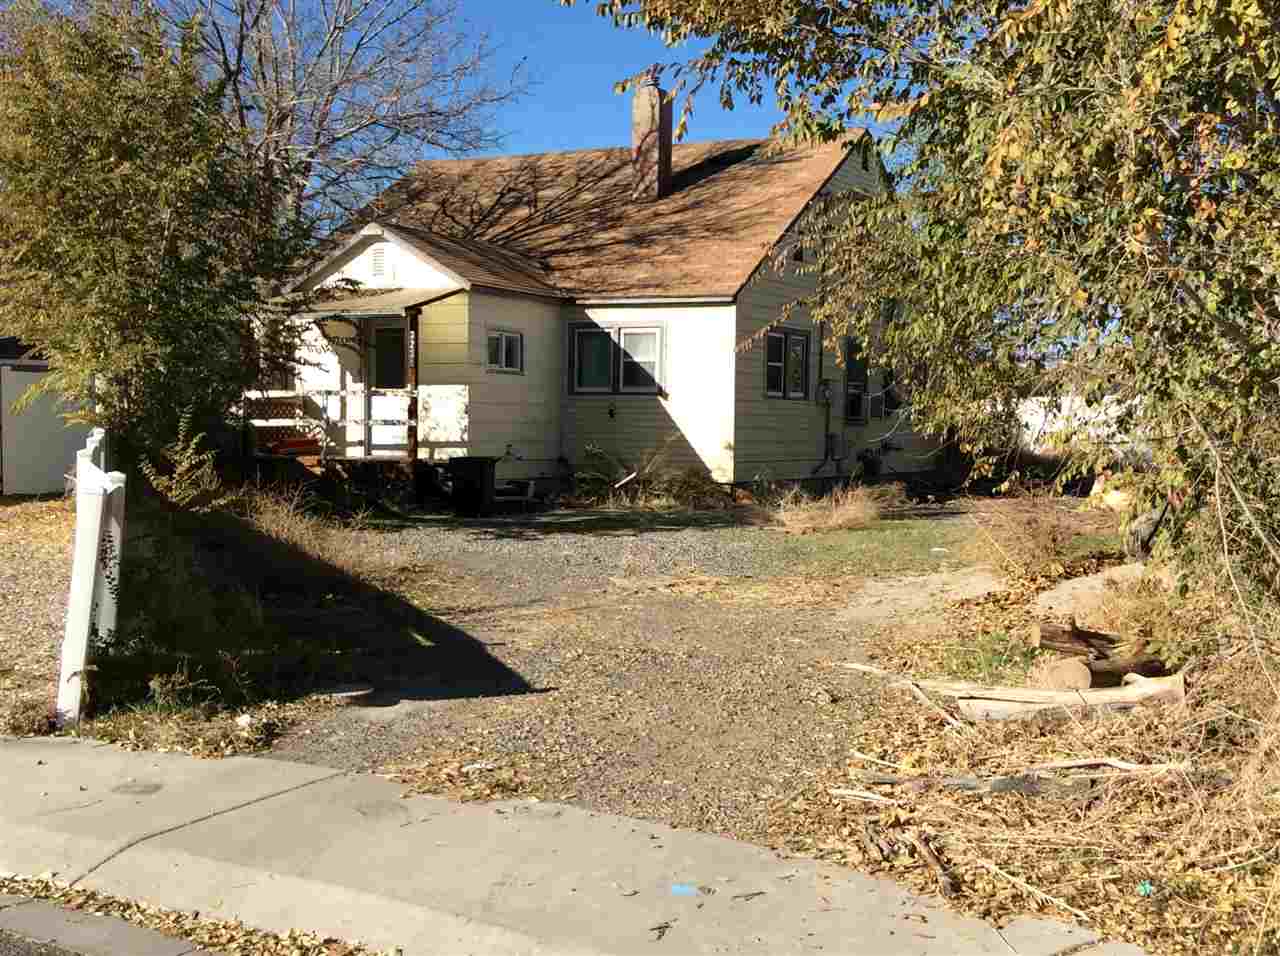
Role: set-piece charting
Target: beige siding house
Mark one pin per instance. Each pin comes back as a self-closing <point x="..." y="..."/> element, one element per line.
<point x="530" y="308"/>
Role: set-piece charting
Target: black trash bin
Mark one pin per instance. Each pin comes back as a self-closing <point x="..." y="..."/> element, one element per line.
<point x="474" y="479"/>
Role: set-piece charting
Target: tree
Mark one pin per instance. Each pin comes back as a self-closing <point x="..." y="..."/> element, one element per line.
<point x="348" y="94"/>
<point x="1089" y="204"/>
<point x="135" y="236"/>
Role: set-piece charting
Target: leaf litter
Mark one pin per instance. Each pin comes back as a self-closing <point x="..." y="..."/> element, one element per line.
<point x="222" y="936"/>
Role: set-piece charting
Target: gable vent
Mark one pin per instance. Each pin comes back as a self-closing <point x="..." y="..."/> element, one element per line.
<point x="379" y="261"/>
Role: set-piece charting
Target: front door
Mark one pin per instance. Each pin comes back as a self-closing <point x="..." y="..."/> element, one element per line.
<point x="386" y="415"/>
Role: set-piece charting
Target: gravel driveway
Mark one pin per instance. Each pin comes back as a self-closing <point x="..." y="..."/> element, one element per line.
<point x="673" y="669"/>
<point x="35" y="574"/>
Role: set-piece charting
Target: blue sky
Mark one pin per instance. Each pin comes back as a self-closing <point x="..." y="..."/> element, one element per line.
<point x="574" y="57"/>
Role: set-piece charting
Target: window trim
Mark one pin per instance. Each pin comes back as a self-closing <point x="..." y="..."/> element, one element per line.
<point x="617" y="357"/>
<point x="788" y="336"/>
<point x="622" y="333"/>
<point x="502" y="335"/>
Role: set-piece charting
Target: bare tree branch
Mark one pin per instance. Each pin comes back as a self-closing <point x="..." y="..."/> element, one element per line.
<point x="349" y="94"/>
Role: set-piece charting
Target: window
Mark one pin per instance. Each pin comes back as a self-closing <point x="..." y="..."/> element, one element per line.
<point x="388" y="358"/>
<point x="592" y="360"/>
<point x="616" y="360"/>
<point x="378" y="261"/>
<point x="639" y="359"/>
<point x="786" y="364"/>
<point x="856" y="405"/>
<point x="506" y="351"/>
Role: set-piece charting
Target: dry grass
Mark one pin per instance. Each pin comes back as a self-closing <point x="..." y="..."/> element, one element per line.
<point x="295" y="518"/>
<point x="844" y="509"/>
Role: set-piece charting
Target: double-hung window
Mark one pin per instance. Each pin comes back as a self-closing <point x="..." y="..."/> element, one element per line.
<point x="506" y="351"/>
<point x="626" y="359"/>
<point x="786" y="364"/>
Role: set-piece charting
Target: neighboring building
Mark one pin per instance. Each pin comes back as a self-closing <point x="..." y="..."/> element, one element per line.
<point x="608" y="298"/>
<point x="37" y="447"/>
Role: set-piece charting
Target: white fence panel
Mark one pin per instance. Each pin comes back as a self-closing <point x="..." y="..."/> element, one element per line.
<point x="37" y="448"/>
<point x="95" y="571"/>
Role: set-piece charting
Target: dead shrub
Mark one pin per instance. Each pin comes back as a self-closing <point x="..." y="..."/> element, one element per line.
<point x="646" y="483"/>
<point x="1035" y="535"/>
<point x="844" y="509"/>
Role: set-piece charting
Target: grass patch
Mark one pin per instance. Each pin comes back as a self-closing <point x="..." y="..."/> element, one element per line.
<point x="901" y="546"/>
<point x="991" y="657"/>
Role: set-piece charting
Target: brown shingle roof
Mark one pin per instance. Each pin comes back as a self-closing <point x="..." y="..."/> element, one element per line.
<point x="568" y="219"/>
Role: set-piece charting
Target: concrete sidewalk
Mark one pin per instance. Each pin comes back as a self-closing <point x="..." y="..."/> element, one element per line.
<point x="29" y="926"/>
<point x="283" y="846"/>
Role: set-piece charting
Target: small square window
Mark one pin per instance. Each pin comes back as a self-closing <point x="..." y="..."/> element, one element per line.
<point x="506" y="351"/>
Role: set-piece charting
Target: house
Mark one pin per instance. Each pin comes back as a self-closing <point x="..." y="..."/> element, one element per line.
<point x="531" y="307"/>
<point x="37" y="446"/>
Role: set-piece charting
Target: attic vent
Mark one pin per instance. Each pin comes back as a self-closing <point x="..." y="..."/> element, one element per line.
<point x="379" y="261"/>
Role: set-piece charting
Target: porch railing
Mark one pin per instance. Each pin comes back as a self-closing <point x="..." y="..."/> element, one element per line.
<point x="263" y="414"/>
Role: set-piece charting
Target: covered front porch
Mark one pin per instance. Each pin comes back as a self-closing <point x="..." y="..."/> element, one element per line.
<point x="355" y="394"/>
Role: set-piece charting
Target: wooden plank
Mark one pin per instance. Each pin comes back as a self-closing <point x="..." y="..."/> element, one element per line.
<point x="1025" y="695"/>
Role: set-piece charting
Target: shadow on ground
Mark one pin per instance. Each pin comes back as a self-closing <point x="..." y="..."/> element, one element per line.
<point x="220" y="610"/>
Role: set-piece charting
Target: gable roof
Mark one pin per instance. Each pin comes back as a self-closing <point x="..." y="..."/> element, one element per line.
<point x="568" y="221"/>
<point x="477" y="262"/>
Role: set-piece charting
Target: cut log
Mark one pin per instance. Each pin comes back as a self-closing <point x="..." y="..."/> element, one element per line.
<point x="1061" y="673"/>
<point x="1071" y="639"/>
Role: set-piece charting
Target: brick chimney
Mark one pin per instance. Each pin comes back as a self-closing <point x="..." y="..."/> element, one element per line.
<point x="651" y="140"/>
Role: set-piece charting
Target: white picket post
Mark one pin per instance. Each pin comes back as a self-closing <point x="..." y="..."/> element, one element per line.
<point x="92" y="598"/>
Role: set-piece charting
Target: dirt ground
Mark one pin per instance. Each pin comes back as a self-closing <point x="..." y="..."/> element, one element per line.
<point x="698" y="695"/>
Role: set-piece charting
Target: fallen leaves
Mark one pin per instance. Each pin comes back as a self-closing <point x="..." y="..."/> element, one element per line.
<point x="223" y="936"/>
